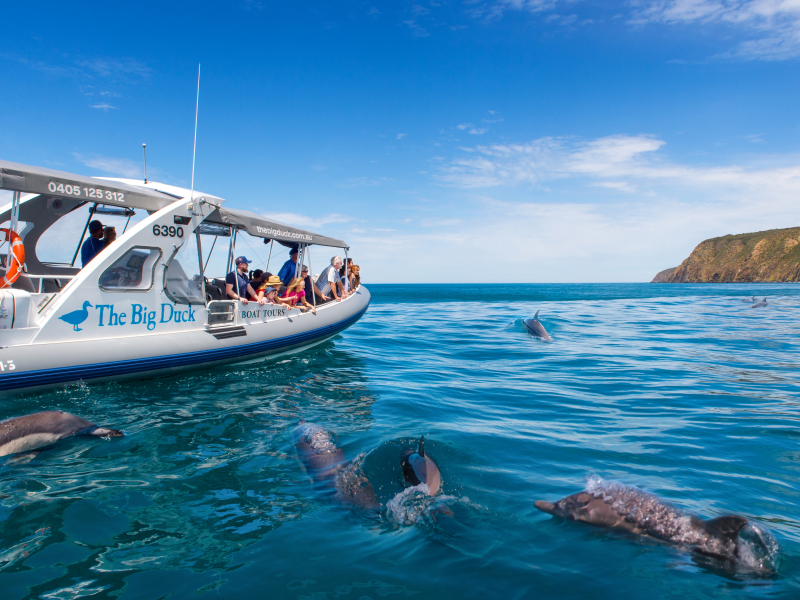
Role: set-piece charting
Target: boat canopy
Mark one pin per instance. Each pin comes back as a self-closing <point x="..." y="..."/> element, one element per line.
<point x="48" y="182"/>
<point x="258" y="226"/>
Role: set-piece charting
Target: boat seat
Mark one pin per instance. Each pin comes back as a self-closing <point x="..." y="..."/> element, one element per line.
<point x="25" y="283"/>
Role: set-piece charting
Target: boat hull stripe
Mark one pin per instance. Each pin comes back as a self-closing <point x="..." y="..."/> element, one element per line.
<point x="42" y="377"/>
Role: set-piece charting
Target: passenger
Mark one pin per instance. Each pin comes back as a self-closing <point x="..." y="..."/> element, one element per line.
<point x="271" y="282"/>
<point x="355" y="277"/>
<point x="93" y="244"/>
<point x="237" y="285"/>
<point x="297" y="295"/>
<point x="344" y="271"/>
<point x="257" y="279"/>
<point x="329" y="282"/>
<point x="313" y="293"/>
<point x="289" y="269"/>
<point x="270" y="295"/>
<point x="109" y="235"/>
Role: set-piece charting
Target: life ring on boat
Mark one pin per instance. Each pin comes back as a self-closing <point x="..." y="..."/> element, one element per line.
<point x="18" y="262"/>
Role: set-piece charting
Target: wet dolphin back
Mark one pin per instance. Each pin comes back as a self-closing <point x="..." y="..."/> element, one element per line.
<point x="318" y="452"/>
<point x="39" y="429"/>
<point x="536" y="328"/>
<point x="420" y="468"/>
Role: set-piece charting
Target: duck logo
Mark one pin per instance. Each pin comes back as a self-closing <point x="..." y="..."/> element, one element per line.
<point x="76" y="317"/>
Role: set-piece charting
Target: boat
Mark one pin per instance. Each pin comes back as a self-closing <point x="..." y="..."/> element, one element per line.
<point x="145" y="304"/>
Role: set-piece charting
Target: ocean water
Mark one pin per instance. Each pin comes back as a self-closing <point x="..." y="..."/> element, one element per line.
<point x="682" y="390"/>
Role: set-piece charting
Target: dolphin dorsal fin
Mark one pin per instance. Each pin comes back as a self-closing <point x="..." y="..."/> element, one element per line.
<point x="421" y="449"/>
<point x="727" y="527"/>
<point x="536" y="316"/>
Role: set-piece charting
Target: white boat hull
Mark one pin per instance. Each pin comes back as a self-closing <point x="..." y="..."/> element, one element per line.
<point x="52" y="363"/>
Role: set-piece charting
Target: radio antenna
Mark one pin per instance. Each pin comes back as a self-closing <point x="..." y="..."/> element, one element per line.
<point x="144" y="150"/>
<point x="196" y="116"/>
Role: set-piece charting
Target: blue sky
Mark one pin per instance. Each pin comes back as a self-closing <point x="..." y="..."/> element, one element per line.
<point x="481" y="140"/>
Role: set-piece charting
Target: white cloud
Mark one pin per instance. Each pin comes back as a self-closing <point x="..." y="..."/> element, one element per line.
<point x="103" y="106"/>
<point x="648" y="213"/>
<point x="620" y="159"/>
<point x="471" y="129"/>
<point x="358" y="182"/>
<point x="773" y="26"/>
<point x="122" y="167"/>
<point x="304" y="221"/>
<point x="768" y="29"/>
<point x="116" y="68"/>
<point x="401" y="136"/>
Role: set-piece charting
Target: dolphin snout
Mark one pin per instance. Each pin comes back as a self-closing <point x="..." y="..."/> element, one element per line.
<point x="108" y="432"/>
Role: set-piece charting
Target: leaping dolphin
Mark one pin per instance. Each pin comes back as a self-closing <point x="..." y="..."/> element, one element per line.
<point x="625" y="508"/>
<point x="30" y="432"/>
<point x="420" y="468"/>
<point x="325" y="463"/>
<point x="536" y="328"/>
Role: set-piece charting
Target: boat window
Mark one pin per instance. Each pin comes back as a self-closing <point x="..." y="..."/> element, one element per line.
<point x="182" y="278"/>
<point x="131" y="271"/>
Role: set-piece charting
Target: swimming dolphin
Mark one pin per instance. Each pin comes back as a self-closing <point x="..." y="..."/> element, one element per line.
<point x="30" y="432"/>
<point x="319" y="453"/>
<point x="536" y="328"/>
<point x="420" y="468"/>
<point x="759" y="304"/>
<point x="325" y="463"/>
<point x="625" y="508"/>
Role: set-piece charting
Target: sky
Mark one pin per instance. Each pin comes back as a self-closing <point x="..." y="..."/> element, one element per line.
<point x="466" y="141"/>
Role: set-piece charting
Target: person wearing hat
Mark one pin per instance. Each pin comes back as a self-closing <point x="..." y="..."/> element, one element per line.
<point x="289" y="269"/>
<point x="94" y="243"/>
<point x="237" y="284"/>
<point x="268" y="286"/>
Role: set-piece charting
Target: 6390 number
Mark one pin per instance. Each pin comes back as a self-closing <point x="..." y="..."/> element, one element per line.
<point x="168" y="231"/>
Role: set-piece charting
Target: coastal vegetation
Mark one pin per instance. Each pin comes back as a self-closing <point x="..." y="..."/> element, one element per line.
<point x="762" y="256"/>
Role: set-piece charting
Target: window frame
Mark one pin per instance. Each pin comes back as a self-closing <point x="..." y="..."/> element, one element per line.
<point x="156" y="262"/>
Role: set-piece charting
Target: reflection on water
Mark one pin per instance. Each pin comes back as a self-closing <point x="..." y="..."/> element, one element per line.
<point x="205" y="469"/>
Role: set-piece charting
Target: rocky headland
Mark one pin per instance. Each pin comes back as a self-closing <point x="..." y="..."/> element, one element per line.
<point x="763" y="256"/>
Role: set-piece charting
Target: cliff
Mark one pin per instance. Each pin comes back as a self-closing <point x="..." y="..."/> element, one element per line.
<point x="763" y="256"/>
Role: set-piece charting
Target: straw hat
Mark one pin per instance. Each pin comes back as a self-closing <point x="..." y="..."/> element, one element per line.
<point x="274" y="280"/>
<point x="297" y="282"/>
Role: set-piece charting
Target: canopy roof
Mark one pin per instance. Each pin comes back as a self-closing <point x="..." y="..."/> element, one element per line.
<point x="258" y="226"/>
<point x="38" y="180"/>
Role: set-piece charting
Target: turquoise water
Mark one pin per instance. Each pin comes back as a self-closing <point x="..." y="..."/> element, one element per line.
<point x="683" y="390"/>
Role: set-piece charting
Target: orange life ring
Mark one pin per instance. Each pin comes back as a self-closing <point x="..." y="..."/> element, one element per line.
<point x="18" y="254"/>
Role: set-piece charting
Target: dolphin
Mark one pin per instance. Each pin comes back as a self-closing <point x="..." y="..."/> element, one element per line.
<point x="325" y="463"/>
<point x="536" y="328"/>
<point x="420" y="468"/>
<point x="37" y="430"/>
<point x="759" y="304"/>
<point x="731" y="538"/>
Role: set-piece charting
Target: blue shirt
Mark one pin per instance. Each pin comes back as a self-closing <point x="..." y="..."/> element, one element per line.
<point x="91" y="248"/>
<point x="288" y="271"/>
<point x="239" y="283"/>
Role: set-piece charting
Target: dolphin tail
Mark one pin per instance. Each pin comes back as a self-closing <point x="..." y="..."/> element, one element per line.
<point x="546" y="506"/>
<point x="536" y="316"/>
<point x="421" y="449"/>
<point x="727" y="527"/>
